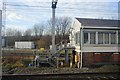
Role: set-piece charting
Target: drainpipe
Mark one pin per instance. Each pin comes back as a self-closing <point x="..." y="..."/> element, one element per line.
<point x="81" y="43"/>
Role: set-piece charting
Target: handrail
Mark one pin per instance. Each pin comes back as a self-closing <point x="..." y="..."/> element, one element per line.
<point x="61" y="45"/>
<point x="52" y="61"/>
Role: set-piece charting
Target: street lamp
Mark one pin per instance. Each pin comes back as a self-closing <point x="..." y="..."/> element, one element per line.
<point x="54" y="3"/>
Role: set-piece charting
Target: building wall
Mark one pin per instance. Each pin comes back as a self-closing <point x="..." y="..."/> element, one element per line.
<point x="90" y="58"/>
<point x="75" y="28"/>
<point x="98" y="40"/>
<point x="97" y="57"/>
<point x="116" y="57"/>
<point x="100" y="46"/>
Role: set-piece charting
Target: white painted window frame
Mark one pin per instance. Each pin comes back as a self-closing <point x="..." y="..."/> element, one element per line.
<point x="96" y="35"/>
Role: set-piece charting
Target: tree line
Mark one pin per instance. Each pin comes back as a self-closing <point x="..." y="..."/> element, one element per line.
<point x="40" y="33"/>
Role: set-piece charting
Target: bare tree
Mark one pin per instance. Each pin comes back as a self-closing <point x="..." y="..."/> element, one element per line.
<point x="28" y="32"/>
<point x="13" y="32"/>
<point x="38" y="29"/>
<point x="10" y="32"/>
<point x="62" y="25"/>
<point x="41" y="29"/>
<point x="10" y="37"/>
<point x="27" y="35"/>
<point x="18" y="33"/>
<point x="35" y="29"/>
<point x="65" y="23"/>
<point x="58" y="26"/>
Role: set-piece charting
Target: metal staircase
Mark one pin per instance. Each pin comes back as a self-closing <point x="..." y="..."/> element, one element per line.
<point x="52" y="58"/>
<point x="63" y="45"/>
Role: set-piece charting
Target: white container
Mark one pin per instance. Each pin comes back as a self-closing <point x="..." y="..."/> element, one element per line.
<point x="24" y="45"/>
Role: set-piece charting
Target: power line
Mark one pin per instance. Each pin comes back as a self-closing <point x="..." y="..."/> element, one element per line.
<point x="80" y="13"/>
<point x="38" y="7"/>
<point x="32" y="6"/>
<point x="76" y="4"/>
<point x="18" y="5"/>
<point x="64" y="8"/>
<point x="59" y="9"/>
<point x="43" y="9"/>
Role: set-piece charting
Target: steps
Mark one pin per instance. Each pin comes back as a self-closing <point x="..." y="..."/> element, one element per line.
<point x="51" y="58"/>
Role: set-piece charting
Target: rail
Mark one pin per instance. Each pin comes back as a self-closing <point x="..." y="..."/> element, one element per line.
<point x="88" y="76"/>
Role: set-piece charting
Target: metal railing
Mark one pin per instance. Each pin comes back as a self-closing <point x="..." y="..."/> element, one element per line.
<point x="53" y="61"/>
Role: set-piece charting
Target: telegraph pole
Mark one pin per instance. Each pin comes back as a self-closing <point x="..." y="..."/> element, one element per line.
<point x="54" y="3"/>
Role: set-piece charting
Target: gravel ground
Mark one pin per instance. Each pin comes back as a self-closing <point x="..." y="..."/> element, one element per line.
<point x="47" y="70"/>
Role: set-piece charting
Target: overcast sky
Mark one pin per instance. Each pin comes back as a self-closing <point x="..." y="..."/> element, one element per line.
<point x="23" y="14"/>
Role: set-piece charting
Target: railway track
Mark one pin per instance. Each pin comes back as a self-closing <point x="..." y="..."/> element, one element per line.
<point x="65" y="76"/>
